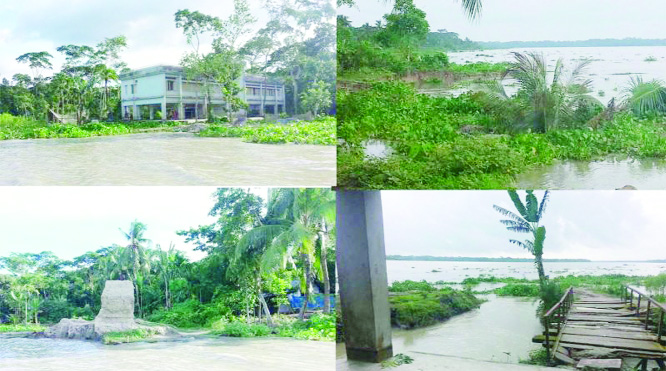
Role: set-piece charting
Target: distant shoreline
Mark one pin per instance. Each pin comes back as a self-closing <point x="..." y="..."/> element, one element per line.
<point x="571" y="43"/>
<point x="509" y="260"/>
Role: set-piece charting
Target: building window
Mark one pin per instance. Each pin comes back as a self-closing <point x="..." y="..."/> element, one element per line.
<point x="253" y="91"/>
<point x="271" y="92"/>
<point x="133" y="88"/>
<point x="170" y="85"/>
<point x="126" y="89"/>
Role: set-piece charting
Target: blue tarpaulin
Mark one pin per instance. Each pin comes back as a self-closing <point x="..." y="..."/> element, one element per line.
<point x="316" y="301"/>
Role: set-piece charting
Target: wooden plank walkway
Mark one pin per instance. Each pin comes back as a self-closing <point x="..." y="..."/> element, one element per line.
<point x="598" y="326"/>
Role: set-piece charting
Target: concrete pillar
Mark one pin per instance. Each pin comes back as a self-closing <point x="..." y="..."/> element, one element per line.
<point x="152" y="112"/>
<point x="262" y="91"/>
<point x="181" y="110"/>
<point x="135" y="112"/>
<point x="362" y="276"/>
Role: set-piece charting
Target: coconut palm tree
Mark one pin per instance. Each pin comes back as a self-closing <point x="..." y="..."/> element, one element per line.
<point x="527" y="221"/>
<point x="300" y="217"/>
<point x="643" y="97"/>
<point x="134" y="256"/>
<point x="549" y="102"/>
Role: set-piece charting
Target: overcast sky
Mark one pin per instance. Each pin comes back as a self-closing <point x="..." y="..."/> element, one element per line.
<point x="528" y="20"/>
<point x="69" y="221"/>
<point x="596" y="225"/>
<point x="152" y="37"/>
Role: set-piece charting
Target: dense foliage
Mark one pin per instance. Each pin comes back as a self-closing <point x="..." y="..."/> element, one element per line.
<point x="243" y="278"/>
<point x="18" y="127"/>
<point x="297" y="46"/>
<point x="320" y="131"/>
<point x="399" y="45"/>
<point x="418" y="304"/>
<point x="469" y="141"/>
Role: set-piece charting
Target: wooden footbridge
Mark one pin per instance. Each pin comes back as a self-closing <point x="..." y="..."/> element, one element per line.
<point x="599" y="331"/>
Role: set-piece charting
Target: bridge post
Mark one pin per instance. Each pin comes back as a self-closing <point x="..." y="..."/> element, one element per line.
<point x="661" y="320"/>
<point x="647" y="315"/>
<point x="638" y="306"/>
<point x="362" y="276"/>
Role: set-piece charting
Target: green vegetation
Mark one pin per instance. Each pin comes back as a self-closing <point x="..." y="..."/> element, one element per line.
<point x="256" y="253"/>
<point x="320" y="131"/>
<point x="477" y="140"/>
<point x="470" y="141"/>
<point x="317" y="327"/>
<point x="650" y="59"/>
<point x="537" y="357"/>
<point x="397" y="360"/>
<point x="296" y="45"/>
<point x="31" y="327"/>
<point x="17" y="127"/>
<point x="527" y="221"/>
<point x="418" y="304"/>
<point x="400" y="45"/>
<point x="131" y="336"/>
<point x="611" y="284"/>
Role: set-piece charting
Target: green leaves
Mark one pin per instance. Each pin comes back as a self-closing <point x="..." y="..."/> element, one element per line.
<point x="645" y="97"/>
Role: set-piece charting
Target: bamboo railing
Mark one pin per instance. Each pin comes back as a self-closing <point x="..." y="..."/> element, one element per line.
<point x="556" y="315"/>
<point x="653" y="306"/>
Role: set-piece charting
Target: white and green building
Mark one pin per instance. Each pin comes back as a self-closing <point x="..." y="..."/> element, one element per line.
<point x="165" y="89"/>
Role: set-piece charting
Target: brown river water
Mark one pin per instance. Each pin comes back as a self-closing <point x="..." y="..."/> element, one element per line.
<point x="164" y="159"/>
<point x="197" y="354"/>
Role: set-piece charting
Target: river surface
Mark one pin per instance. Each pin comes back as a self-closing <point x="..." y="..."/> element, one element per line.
<point x="164" y="159"/>
<point x="209" y="354"/>
<point x="501" y="330"/>
<point x="432" y="271"/>
<point x="606" y="174"/>
<point x="610" y="67"/>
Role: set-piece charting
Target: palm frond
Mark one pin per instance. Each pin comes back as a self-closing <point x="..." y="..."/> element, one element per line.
<point x="472" y="8"/>
<point x="644" y="97"/>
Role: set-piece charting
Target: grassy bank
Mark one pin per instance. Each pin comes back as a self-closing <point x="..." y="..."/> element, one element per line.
<point x="418" y="304"/>
<point x="320" y="131"/>
<point x="468" y="142"/>
<point x="22" y="328"/>
<point x="131" y="336"/>
<point x="14" y="127"/>
<point x="611" y="284"/>
<point x="317" y="327"/>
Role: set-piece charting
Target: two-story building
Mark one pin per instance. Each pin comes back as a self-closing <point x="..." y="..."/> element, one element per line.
<point x="165" y="89"/>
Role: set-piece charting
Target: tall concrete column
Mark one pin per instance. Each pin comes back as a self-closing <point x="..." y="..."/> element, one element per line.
<point x="152" y="112"/>
<point x="164" y="110"/>
<point x="135" y="112"/>
<point x="262" y="91"/>
<point x="181" y="110"/>
<point x="362" y="276"/>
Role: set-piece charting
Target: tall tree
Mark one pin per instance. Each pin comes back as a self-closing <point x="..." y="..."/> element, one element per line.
<point x="135" y="254"/>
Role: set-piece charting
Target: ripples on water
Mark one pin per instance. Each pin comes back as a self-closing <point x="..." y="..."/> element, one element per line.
<point x="457" y="271"/>
<point x="163" y="159"/>
<point x="609" y="70"/>
<point x="609" y="174"/>
<point x="217" y="354"/>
